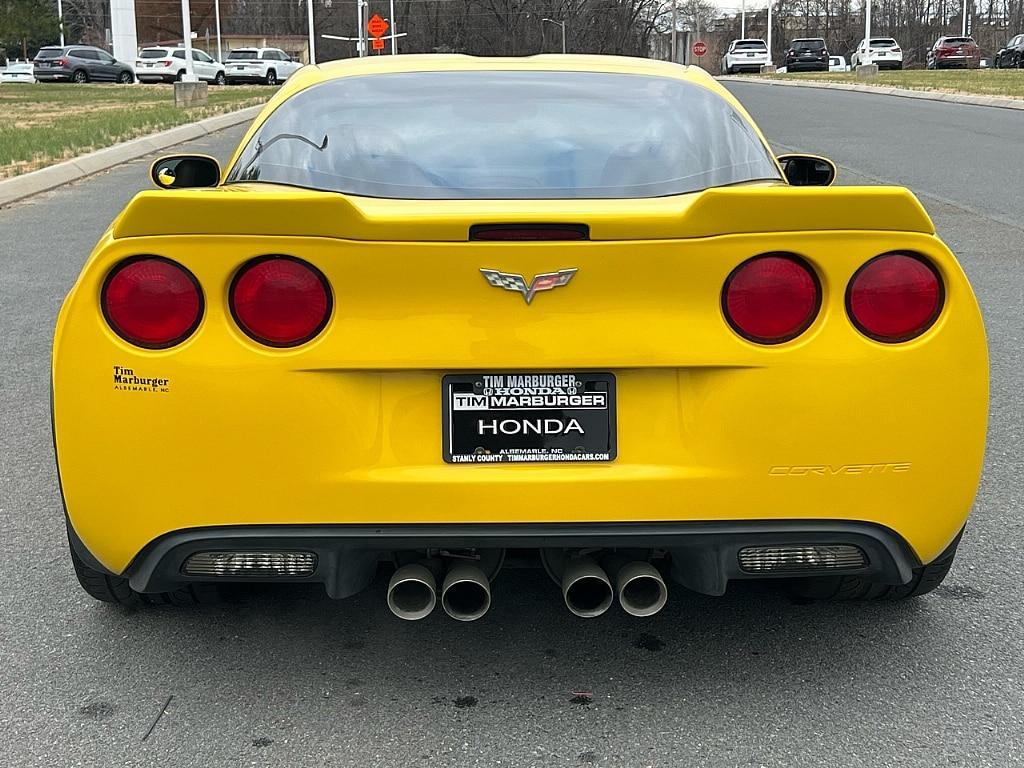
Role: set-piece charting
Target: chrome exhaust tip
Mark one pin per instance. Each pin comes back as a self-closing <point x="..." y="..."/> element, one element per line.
<point x="466" y="593"/>
<point x="586" y="588"/>
<point x="640" y="588"/>
<point x="412" y="592"/>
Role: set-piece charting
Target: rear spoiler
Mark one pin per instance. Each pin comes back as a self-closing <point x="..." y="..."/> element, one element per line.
<point x="275" y="210"/>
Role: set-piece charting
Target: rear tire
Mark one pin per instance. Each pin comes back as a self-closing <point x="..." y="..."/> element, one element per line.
<point x="80" y="76"/>
<point x="271" y="78"/>
<point x="853" y="588"/>
<point x="114" y="589"/>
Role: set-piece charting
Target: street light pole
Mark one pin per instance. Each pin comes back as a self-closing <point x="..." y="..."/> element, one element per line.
<point x="743" y="20"/>
<point x="562" y="25"/>
<point x="216" y="13"/>
<point x="312" y="45"/>
<point x="394" y="30"/>
<point x="186" y="33"/>
<point x="867" y="28"/>
<point x="60" y="20"/>
<point x="963" y="28"/>
<point x="771" y="60"/>
<point x="675" y="33"/>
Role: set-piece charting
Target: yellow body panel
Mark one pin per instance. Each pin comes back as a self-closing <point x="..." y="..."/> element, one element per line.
<point x="347" y="428"/>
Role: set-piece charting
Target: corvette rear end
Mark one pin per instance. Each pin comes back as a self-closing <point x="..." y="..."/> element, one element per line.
<point x="277" y="379"/>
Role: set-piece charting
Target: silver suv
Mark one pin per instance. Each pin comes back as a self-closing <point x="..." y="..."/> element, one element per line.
<point x="80" y="64"/>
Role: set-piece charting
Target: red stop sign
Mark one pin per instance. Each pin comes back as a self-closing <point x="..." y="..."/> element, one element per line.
<point x="700" y="48"/>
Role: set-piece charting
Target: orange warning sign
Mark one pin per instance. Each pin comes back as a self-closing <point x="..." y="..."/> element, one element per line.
<point x="377" y="44"/>
<point x="376" y="26"/>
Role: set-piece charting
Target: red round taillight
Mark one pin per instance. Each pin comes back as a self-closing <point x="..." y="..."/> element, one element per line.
<point x="280" y="301"/>
<point x="895" y="297"/>
<point x="771" y="298"/>
<point x="152" y="302"/>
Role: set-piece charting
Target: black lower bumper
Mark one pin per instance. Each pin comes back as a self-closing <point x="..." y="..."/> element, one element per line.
<point x="703" y="555"/>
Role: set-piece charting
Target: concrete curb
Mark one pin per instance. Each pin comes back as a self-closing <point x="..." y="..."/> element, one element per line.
<point x="1002" y="102"/>
<point x="32" y="183"/>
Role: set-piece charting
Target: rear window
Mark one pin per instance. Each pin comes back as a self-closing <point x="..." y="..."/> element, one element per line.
<point x="808" y="45"/>
<point x="883" y="42"/>
<point x="154" y="53"/>
<point x="751" y="45"/>
<point x="49" y="53"/>
<point x="958" y="40"/>
<point x="235" y="55"/>
<point x="505" y="135"/>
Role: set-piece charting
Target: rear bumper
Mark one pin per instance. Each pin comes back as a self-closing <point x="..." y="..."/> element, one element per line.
<point x="252" y="78"/>
<point x="807" y="65"/>
<point x="703" y="555"/>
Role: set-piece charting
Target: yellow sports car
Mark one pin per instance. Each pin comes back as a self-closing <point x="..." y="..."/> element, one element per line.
<point x="443" y="314"/>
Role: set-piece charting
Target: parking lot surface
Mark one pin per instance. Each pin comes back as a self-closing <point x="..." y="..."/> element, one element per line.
<point x="287" y="677"/>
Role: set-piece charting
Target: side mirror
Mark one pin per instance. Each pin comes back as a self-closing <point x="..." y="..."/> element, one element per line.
<point x="808" y="170"/>
<point x="183" y="171"/>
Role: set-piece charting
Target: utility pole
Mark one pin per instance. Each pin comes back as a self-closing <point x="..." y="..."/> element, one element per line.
<point x="675" y="25"/>
<point x="312" y="45"/>
<point x="963" y="28"/>
<point x="770" y="58"/>
<point x="743" y="20"/>
<point x="216" y="13"/>
<point x="60" y="20"/>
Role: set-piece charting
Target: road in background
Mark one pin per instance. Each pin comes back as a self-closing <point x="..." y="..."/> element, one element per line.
<point x="286" y="677"/>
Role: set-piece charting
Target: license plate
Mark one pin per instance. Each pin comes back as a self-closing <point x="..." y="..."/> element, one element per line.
<point x="511" y="418"/>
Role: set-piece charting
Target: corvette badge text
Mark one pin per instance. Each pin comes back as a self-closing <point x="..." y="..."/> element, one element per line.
<point x="125" y="380"/>
<point x="832" y="470"/>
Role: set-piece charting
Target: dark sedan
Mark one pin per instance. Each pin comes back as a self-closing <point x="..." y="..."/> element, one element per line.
<point x="80" y="64"/>
<point x="1011" y="56"/>
<point x="809" y="54"/>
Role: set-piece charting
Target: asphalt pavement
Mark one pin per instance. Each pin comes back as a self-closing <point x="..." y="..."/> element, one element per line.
<point x="287" y="677"/>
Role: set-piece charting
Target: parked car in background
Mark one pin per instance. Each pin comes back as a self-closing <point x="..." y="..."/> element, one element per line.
<point x="838" y="64"/>
<point x="881" y="51"/>
<point x="808" y="54"/>
<point x="954" y="52"/>
<point x="17" y="72"/>
<point x="259" y="65"/>
<point x="80" y="64"/>
<point x="1011" y="55"/>
<point x="745" y="55"/>
<point x="167" y="64"/>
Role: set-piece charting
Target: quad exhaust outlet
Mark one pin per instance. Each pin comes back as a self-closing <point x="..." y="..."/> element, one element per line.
<point x="466" y="594"/>
<point x="412" y="592"/>
<point x="640" y="588"/>
<point x="586" y="587"/>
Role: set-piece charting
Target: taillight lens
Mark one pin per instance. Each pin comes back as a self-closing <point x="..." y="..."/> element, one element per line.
<point x="280" y="301"/>
<point x="771" y="298"/>
<point x="895" y="297"/>
<point x="152" y="302"/>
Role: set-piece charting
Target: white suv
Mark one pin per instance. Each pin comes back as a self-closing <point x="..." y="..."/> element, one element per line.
<point x="165" y="65"/>
<point x="745" y="55"/>
<point x="260" y="65"/>
<point x="883" y="51"/>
